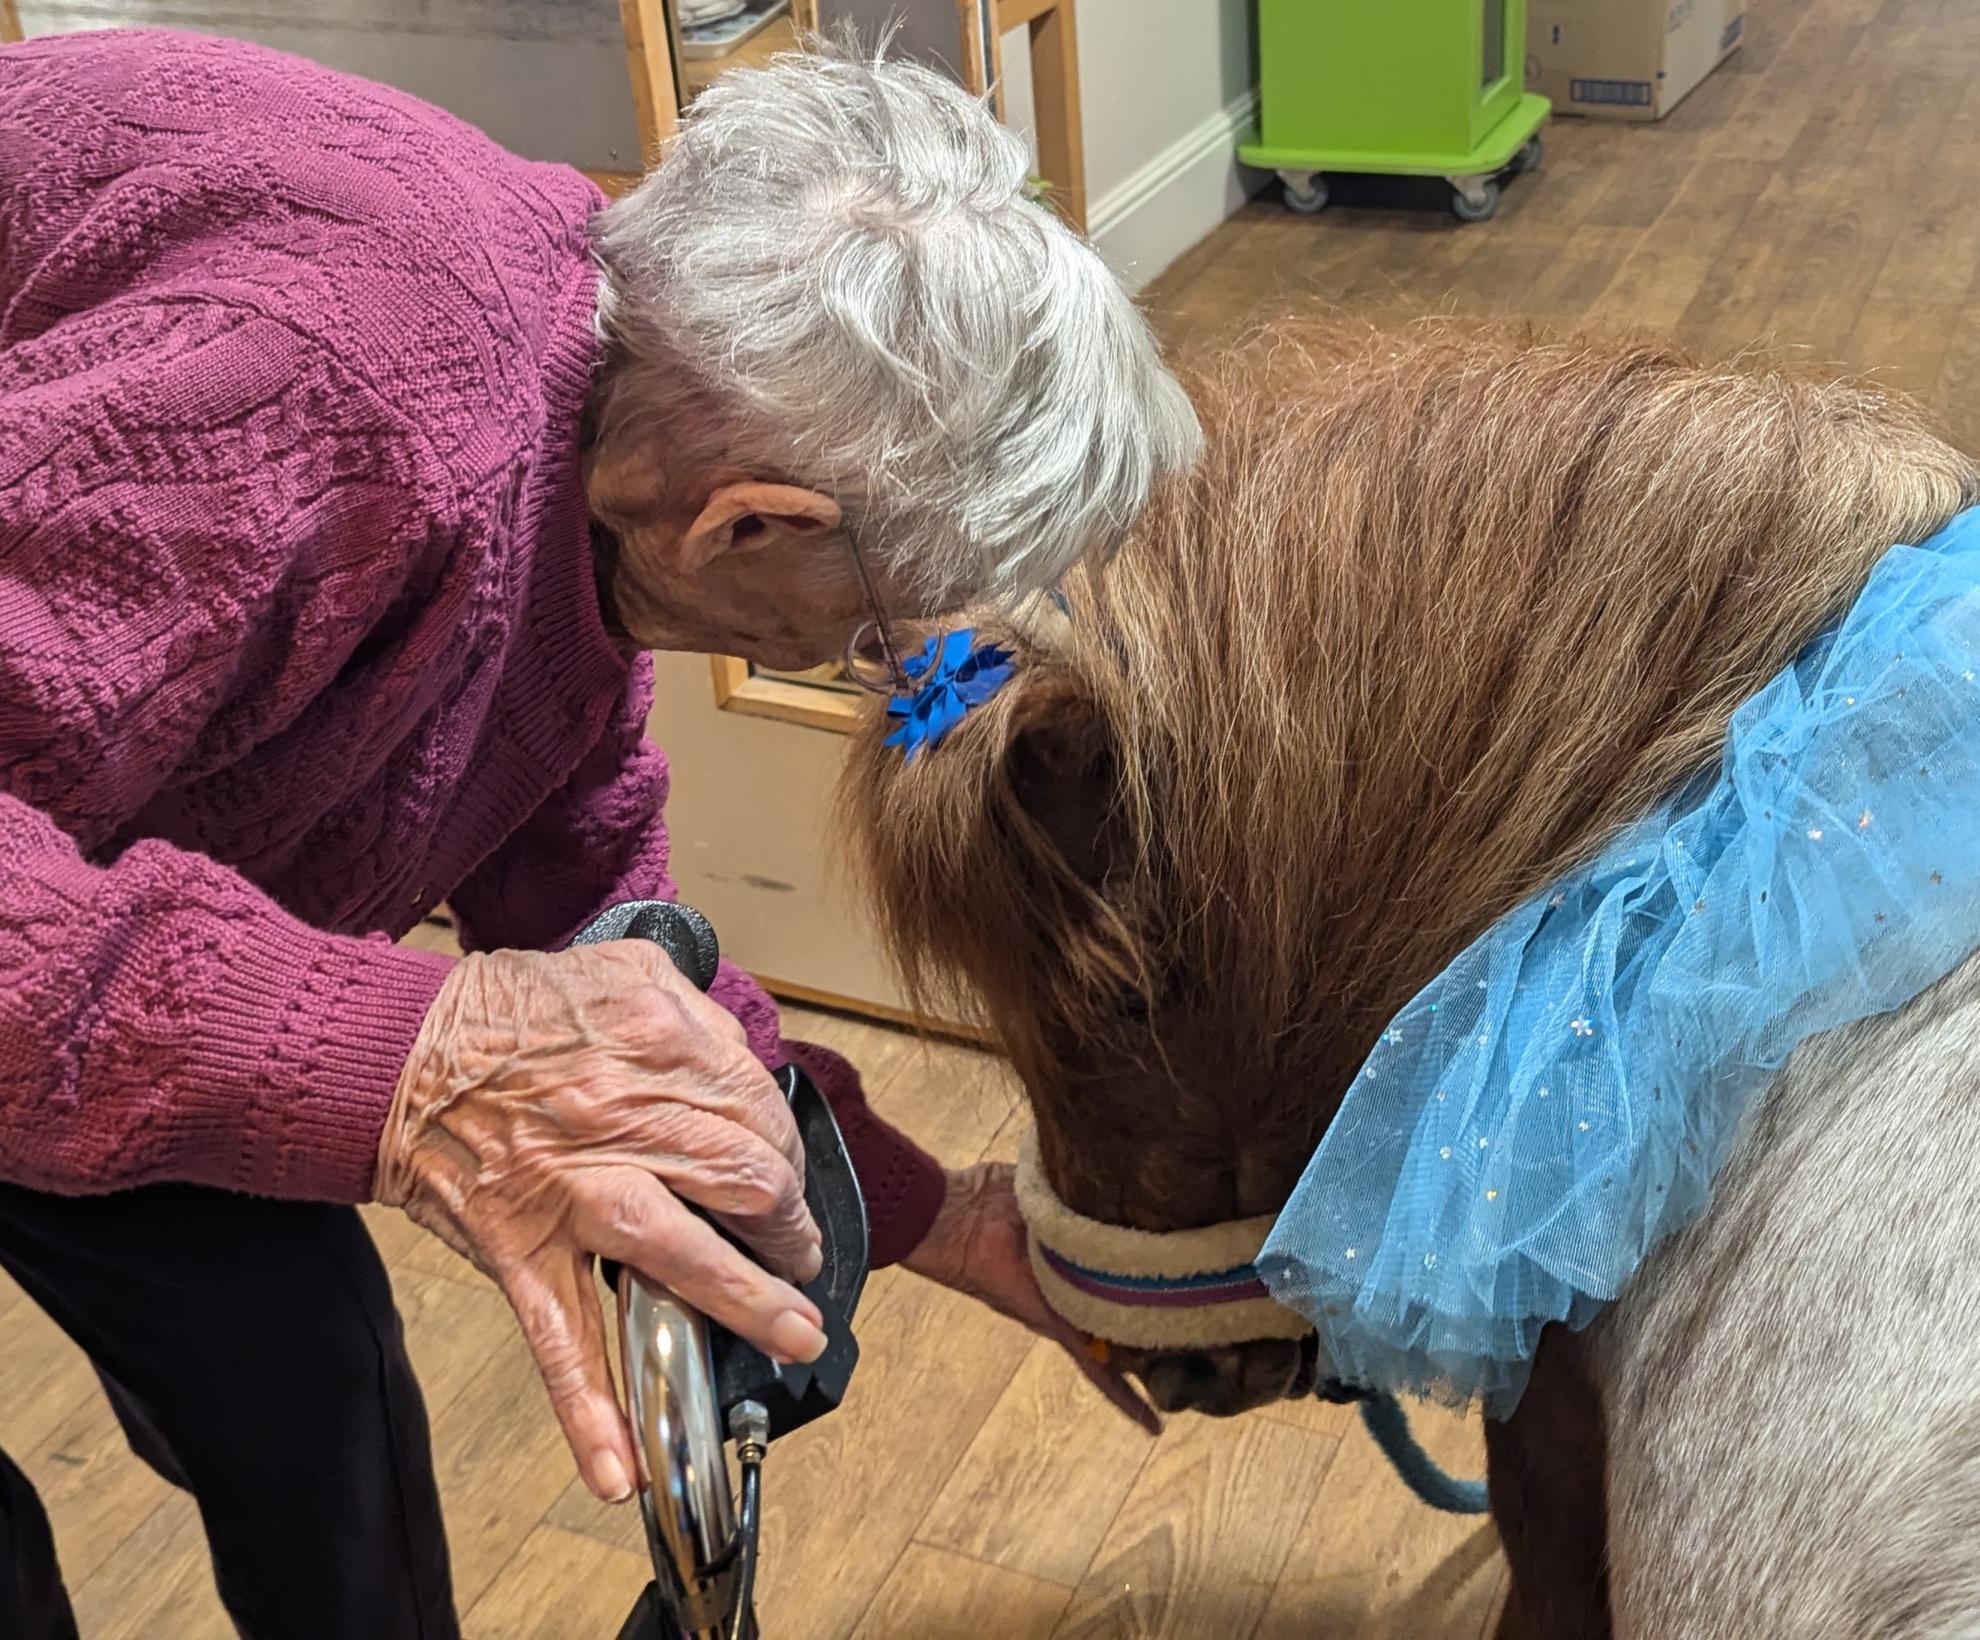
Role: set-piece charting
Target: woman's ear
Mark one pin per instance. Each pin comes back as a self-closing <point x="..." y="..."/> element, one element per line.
<point x="750" y="515"/>
<point x="1060" y="770"/>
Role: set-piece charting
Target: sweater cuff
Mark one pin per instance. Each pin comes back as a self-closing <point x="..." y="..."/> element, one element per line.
<point x="903" y="1184"/>
<point x="301" y="1047"/>
<point x="904" y="1187"/>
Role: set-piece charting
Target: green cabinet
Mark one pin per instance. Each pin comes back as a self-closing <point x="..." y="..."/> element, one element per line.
<point x="1401" y="87"/>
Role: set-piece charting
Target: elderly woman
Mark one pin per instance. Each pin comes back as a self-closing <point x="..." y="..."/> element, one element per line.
<point x="347" y="466"/>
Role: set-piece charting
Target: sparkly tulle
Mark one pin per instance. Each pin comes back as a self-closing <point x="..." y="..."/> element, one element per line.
<point x="1559" y="1099"/>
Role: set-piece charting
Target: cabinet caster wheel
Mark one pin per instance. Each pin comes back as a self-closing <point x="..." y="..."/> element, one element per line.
<point x="1528" y="157"/>
<point x="1308" y="198"/>
<point x="1478" y="205"/>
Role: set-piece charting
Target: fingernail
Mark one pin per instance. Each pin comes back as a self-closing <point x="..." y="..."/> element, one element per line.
<point x="795" y="1338"/>
<point x="812" y="1262"/>
<point x="609" y="1476"/>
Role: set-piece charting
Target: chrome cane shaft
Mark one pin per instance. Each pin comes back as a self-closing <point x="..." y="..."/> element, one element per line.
<point x="684" y="1493"/>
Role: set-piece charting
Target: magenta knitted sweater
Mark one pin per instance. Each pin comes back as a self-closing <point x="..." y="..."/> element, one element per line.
<point x="298" y="628"/>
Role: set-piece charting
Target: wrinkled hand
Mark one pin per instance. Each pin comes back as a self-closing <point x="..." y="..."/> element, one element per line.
<point x="560" y="1107"/>
<point x="977" y="1245"/>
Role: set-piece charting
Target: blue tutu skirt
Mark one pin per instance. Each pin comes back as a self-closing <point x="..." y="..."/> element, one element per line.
<point x="1559" y="1099"/>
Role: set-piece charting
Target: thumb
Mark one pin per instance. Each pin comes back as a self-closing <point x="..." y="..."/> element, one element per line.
<point x="1113" y="1384"/>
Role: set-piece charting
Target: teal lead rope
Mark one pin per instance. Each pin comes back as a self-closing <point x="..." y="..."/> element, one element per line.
<point x="1383" y="1414"/>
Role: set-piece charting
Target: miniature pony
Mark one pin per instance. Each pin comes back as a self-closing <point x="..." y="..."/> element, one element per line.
<point x="1437" y="612"/>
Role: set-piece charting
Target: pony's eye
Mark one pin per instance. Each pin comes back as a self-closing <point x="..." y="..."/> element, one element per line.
<point x="1134" y="1005"/>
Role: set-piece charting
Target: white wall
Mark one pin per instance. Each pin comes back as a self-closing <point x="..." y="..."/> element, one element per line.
<point x="546" y="78"/>
<point x="1167" y="90"/>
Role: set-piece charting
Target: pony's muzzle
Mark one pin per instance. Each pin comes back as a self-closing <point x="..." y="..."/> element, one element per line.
<point x="1224" y="1380"/>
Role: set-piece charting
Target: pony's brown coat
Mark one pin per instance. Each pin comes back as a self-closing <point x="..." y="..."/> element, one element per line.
<point x="1437" y="609"/>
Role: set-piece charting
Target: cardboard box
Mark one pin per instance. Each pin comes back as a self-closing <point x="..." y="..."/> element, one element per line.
<point x="1626" y="59"/>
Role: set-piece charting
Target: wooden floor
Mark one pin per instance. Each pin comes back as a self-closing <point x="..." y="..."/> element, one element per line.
<point x="973" y="1485"/>
<point x="1822" y="189"/>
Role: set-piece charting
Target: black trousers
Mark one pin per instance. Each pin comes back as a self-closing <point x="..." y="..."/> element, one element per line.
<point x="253" y="1354"/>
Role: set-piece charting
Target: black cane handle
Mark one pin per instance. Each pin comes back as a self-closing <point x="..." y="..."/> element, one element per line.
<point x="679" y="930"/>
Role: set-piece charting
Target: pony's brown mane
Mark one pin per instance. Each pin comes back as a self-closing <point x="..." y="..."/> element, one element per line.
<point x="1436" y="611"/>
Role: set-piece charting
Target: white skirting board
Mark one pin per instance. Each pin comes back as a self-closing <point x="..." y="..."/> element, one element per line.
<point x="1149" y="219"/>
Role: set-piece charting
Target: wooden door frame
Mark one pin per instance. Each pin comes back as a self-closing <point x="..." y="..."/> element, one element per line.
<point x="650" y="63"/>
<point x="10" y="23"/>
<point x="738" y="689"/>
<point x="1053" y="30"/>
<point x="1052" y="36"/>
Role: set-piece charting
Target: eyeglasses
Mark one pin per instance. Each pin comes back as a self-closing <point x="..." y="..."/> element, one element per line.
<point x="875" y="654"/>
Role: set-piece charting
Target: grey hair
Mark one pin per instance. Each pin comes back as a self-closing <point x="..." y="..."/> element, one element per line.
<point x="835" y="276"/>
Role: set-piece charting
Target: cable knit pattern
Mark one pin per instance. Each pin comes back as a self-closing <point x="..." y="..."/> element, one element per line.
<point x="298" y="629"/>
